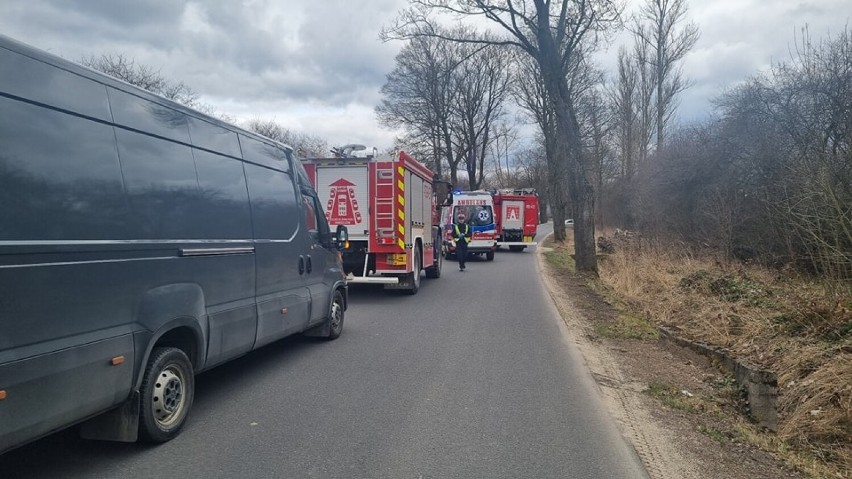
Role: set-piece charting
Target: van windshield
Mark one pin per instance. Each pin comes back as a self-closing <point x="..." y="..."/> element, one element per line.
<point x="477" y="215"/>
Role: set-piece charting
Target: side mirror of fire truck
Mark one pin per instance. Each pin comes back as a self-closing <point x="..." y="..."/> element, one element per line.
<point x="341" y="237"/>
<point x="443" y="195"/>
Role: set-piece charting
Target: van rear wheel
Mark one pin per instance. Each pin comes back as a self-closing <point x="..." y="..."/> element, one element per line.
<point x="168" y="389"/>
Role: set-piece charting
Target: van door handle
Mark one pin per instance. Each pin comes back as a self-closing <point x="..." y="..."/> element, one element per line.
<point x="301" y="264"/>
<point x="310" y="265"/>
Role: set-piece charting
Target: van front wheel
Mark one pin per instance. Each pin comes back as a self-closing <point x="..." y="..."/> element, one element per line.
<point x="335" y="317"/>
<point x="167" y="391"/>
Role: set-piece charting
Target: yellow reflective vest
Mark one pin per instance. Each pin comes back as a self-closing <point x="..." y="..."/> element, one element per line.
<point x="462" y="236"/>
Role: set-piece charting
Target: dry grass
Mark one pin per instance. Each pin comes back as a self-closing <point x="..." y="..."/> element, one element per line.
<point x="798" y="328"/>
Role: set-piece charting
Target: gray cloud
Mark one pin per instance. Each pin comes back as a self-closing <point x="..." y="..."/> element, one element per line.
<point x="317" y="65"/>
<point x="262" y="58"/>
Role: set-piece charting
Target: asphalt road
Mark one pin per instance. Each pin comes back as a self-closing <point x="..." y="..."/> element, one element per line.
<point x="474" y="377"/>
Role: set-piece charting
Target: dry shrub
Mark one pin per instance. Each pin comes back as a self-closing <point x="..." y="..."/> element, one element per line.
<point x="798" y="328"/>
<point x="817" y="402"/>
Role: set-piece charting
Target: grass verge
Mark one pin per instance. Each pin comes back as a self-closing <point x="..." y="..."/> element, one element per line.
<point x="800" y="328"/>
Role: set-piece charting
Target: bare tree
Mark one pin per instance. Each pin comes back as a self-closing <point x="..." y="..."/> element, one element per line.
<point x="449" y="95"/>
<point x="623" y="100"/>
<point x="630" y="103"/>
<point x="532" y="97"/>
<point x="146" y="77"/>
<point x="143" y="76"/>
<point x="501" y="150"/>
<point x="532" y="169"/>
<point x="303" y="144"/>
<point x="598" y="125"/>
<point x="418" y="96"/>
<point x="551" y="32"/>
<point x="482" y="85"/>
<point x="657" y="29"/>
<point x="770" y="179"/>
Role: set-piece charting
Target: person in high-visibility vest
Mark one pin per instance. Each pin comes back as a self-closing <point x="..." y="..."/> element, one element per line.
<point x="462" y="235"/>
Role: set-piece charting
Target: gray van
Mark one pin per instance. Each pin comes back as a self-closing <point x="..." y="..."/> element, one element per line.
<point x="140" y="243"/>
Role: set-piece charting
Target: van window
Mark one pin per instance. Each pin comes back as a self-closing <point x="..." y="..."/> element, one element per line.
<point x="212" y="137"/>
<point x="59" y="176"/>
<point x="301" y="174"/>
<point x="161" y="184"/>
<point x="275" y="213"/>
<point x="315" y="218"/>
<point x="148" y="116"/>
<point x="43" y="83"/>
<point x="224" y="204"/>
<point x="265" y="154"/>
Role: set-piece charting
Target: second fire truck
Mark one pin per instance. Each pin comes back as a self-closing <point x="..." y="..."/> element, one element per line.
<point x="516" y="216"/>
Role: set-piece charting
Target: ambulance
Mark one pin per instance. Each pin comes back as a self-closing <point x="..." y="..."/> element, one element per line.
<point x="478" y="207"/>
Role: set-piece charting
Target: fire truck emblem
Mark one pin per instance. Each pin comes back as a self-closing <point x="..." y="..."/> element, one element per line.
<point x="342" y="207"/>
<point x="513" y="213"/>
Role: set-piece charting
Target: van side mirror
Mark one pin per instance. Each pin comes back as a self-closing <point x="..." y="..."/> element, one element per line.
<point x="341" y="237"/>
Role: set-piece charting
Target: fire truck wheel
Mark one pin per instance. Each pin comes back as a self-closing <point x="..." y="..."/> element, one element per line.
<point x="489" y="256"/>
<point x="434" y="271"/>
<point x="517" y="248"/>
<point x="415" y="275"/>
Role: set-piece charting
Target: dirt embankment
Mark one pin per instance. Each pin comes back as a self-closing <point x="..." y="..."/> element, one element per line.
<point x="683" y="414"/>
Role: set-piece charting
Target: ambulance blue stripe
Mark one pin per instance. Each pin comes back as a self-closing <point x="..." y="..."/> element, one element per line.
<point x="484" y="229"/>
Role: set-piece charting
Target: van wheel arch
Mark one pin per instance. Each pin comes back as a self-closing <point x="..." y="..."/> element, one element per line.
<point x="183" y="334"/>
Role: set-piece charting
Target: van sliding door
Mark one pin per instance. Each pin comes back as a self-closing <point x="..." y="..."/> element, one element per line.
<point x="282" y="299"/>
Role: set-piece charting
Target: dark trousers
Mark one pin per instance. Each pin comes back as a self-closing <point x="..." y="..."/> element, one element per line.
<point x="461" y="252"/>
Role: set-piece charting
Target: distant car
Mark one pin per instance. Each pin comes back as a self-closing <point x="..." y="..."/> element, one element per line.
<point x="569" y="222"/>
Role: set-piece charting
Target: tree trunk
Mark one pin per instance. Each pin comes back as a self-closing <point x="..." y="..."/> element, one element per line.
<point x="569" y="144"/>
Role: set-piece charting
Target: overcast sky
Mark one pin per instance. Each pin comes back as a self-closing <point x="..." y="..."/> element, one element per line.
<point x="316" y="66"/>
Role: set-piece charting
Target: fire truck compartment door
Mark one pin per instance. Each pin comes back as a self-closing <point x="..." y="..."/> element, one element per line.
<point x="345" y="197"/>
<point x="512" y="214"/>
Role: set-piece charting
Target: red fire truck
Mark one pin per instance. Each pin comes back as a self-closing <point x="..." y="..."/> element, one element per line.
<point x="516" y="215"/>
<point x="389" y="208"/>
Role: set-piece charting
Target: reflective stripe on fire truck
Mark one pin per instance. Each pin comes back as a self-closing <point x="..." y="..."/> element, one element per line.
<point x="400" y="205"/>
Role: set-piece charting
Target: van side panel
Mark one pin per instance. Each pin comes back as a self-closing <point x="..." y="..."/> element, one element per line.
<point x="52" y="390"/>
<point x="224" y="213"/>
<point x="63" y="317"/>
<point x="180" y="193"/>
<point x="283" y="301"/>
